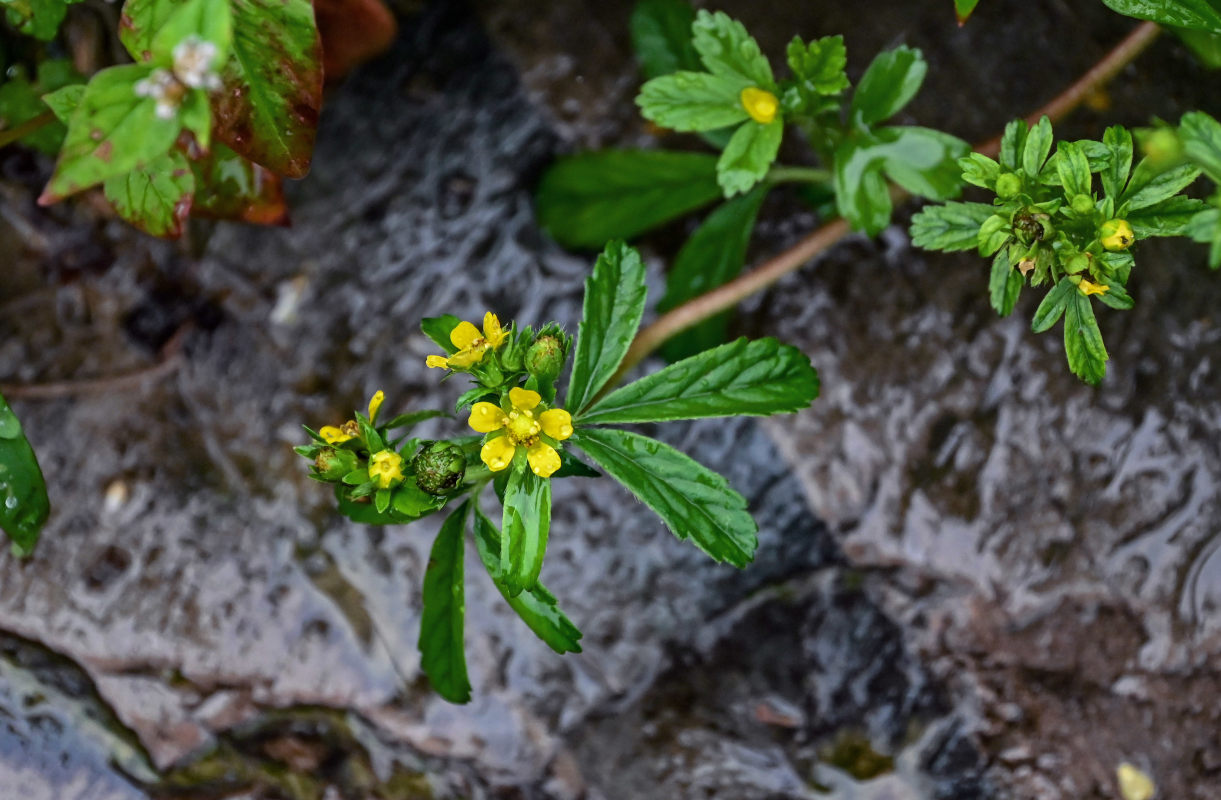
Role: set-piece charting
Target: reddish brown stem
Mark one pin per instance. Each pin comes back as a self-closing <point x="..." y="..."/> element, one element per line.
<point x="818" y="241"/>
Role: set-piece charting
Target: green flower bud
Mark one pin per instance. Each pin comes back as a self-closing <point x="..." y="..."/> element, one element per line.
<point x="545" y="358"/>
<point x="1032" y="225"/>
<point x="1082" y="204"/>
<point x="1078" y="263"/>
<point x="1008" y="185"/>
<point x="439" y="467"/>
<point x="1116" y="235"/>
<point x="333" y="463"/>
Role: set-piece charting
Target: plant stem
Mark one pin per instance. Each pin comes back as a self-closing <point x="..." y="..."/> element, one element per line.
<point x="26" y="128"/>
<point x="818" y="241"/>
<point x="783" y="174"/>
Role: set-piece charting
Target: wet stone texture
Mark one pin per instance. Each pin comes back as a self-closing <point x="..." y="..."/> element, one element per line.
<point x="199" y="622"/>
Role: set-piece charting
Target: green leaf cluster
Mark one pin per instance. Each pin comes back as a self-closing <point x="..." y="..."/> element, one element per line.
<point x="526" y="439"/>
<point x="1066" y="219"/>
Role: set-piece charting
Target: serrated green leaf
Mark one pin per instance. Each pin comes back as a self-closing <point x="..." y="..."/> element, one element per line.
<point x="1013" y="144"/>
<point x="1037" y="147"/>
<point x="818" y="68"/>
<point x="748" y="156"/>
<point x="588" y="199"/>
<point x="614" y="303"/>
<point x="1201" y="137"/>
<point x="889" y="84"/>
<point x="112" y="132"/>
<point x="727" y="50"/>
<point x="741" y="378"/>
<point x="524" y="528"/>
<point x="950" y="227"/>
<point x="1116" y="296"/>
<point x="1195" y="14"/>
<point x="267" y="109"/>
<point x="1005" y="283"/>
<point x="713" y="255"/>
<point x="692" y="101"/>
<point x="1118" y="140"/>
<point x="1170" y="217"/>
<point x="438" y="329"/>
<point x="1073" y="169"/>
<point x="1150" y="184"/>
<point x="661" y="37"/>
<point x="694" y="502"/>
<point x="979" y="170"/>
<point x="1087" y="356"/>
<point x="536" y="606"/>
<point x="963" y="9"/>
<point x="155" y="198"/>
<point x="1053" y="305"/>
<point x="1205" y="227"/>
<point x="1097" y="155"/>
<point x="922" y="160"/>
<point x="24" y="506"/>
<point x="442" y="650"/>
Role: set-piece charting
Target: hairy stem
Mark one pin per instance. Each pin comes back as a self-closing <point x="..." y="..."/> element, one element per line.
<point x="818" y="241"/>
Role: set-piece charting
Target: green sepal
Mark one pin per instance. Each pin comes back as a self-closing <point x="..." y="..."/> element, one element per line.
<point x="442" y="650"/>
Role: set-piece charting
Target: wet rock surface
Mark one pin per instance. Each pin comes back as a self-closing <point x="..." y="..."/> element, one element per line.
<point x="983" y="580"/>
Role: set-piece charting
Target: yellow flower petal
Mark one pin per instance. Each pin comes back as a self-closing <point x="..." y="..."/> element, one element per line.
<point x="498" y="453"/>
<point x="492" y="331"/>
<point x="761" y="104"/>
<point x="486" y="417"/>
<point x="544" y="459"/>
<point x="557" y="423"/>
<point x="467" y="357"/>
<point x="1088" y="288"/>
<point x="463" y="334"/>
<point x="524" y="399"/>
<point x="1134" y="784"/>
<point x="333" y="435"/>
<point x="375" y="403"/>
<point x="437" y="361"/>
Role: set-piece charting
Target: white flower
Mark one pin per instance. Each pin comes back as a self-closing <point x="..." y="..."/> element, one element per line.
<point x="193" y="59"/>
<point x="163" y="87"/>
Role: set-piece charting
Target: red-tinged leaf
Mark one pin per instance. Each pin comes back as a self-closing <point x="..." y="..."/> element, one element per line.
<point x="268" y="107"/>
<point x="352" y="31"/>
<point x="231" y="187"/>
<point x="156" y="198"/>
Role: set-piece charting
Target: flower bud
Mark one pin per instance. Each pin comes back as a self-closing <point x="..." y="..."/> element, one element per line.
<point x="1008" y="185"/>
<point x="439" y="467"/>
<point x="545" y="358"/>
<point x="333" y="463"/>
<point x="1082" y="204"/>
<point x="1032" y="225"/>
<point x="1116" y="235"/>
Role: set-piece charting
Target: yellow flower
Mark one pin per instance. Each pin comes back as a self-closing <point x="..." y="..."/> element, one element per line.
<point x="521" y="427"/>
<point x="1087" y="288"/>
<point x="471" y="343"/>
<point x="1134" y="784"/>
<point x="761" y="104"/>
<point x="375" y="404"/>
<point x="386" y="467"/>
<point x="333" y="435"/>
<point x="1116" y="235"/>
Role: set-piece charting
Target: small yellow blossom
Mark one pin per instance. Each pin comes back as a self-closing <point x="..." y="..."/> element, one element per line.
<point x="1087" y="288"/>
<point x="1134" y="784"/>
<point x="471" y="343"/>
<point x="760" y="104"/>
<point x="522" y="428"/>
<point x="386" y="467"/>
<point x="1116" y="235"/>
<point x="375" y="404"/>
<point x="333" y="435"/>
